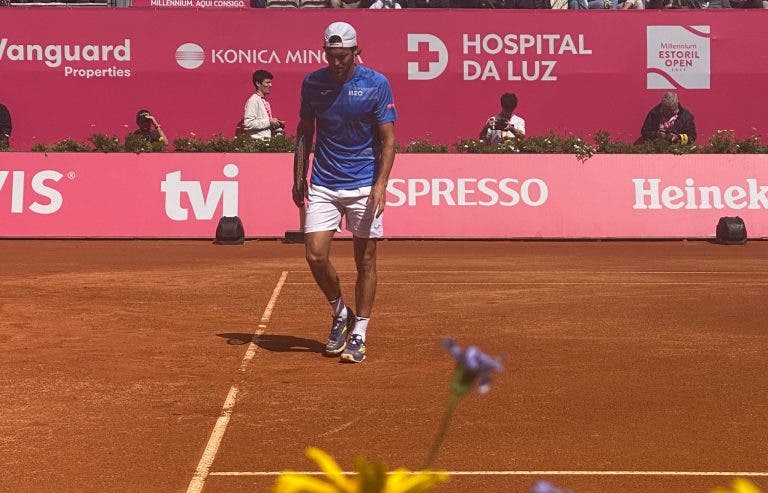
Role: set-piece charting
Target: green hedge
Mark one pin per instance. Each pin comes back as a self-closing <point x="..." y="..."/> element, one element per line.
<point x="723" y="142"/>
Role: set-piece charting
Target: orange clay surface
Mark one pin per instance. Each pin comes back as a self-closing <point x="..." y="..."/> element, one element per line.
<point x="117" y="358"/>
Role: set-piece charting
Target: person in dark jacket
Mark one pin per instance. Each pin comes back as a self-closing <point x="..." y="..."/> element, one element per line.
<point x="669" y="121"/>
<point x="5" y="125"/>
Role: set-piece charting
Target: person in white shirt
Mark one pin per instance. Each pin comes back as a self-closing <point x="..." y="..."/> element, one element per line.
<point x="386" y="4"/>
<point x="505" y="125"/>
<point x="258" y="121"/>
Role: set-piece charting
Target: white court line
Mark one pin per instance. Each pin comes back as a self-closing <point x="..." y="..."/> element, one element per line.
<point x="591" y="271"/>
<point x="209" y="454"/>
<point x="560" y="283"/>
<point x="526" y="473"/>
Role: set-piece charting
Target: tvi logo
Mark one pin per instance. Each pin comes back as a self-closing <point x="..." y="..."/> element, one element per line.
<point x="203" y="206"/>
<point x="433" y="68"/>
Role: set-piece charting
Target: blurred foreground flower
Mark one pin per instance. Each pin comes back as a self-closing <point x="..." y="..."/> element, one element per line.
<point x="473" y="368"/>
<point x="739" y="486"/>
<point x="370" y="478"/>
<point x="546" y="487"/>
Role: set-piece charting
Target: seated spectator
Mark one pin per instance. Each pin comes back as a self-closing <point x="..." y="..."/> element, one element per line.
<point x="420" y="4"/>
<point x="673" y="4"/>
<point x="592" y="4"/>
<point x="149" y="128"/>
<point x="347" y="4"/>
<point x="746" y="4"/>
<point x="504" y="126"/>
<point x="668" y="120"/>
<point x="258" y="120"/>
<point x="282" y="4"/>
<point x="5" y="126"/>
<point x="385" y="4"/>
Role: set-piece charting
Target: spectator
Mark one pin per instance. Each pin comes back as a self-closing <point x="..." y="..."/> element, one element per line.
<point x="718" y="4"/>
<point x="258" y="120"/>
<point x="746" y="4"/>
<point x="385" y="4"/>
<point x="149" y="128"/>
<point x="347" y="4"/>
<point x="5" y="126"/>
<point x="668" y="120"/>
<point x="282" y="4"/>
<point x="420" y="4"/>
<point x="592" y="4"/>
<point x="506" y="125"/>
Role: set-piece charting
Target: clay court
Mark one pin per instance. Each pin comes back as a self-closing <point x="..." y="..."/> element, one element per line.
<point x="172" y="366"/>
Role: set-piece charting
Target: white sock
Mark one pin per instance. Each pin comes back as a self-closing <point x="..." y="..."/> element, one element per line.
<point x="361" y="325"/>
<point x="338" y="307"/>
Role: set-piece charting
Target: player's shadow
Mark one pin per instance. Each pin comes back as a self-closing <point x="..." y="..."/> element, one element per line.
<point x="276" y="342"/>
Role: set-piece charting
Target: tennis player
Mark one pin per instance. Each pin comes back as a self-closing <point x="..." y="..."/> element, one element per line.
<point x="351" y="109"/>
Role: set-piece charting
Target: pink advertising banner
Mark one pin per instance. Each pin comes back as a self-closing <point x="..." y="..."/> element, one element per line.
<point x="76" y="72"/>
<point x="429" y="195"/>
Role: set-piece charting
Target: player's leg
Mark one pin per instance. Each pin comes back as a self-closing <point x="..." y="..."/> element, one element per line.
<point x="366" y="229"/>
<point x="365" y="293"/>
<point x="318" y="250"/>
<point x="322" y="220"/>
<point x="365" y="287"/>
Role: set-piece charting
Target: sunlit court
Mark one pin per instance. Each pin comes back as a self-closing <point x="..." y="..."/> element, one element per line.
<point x="189" y="366"/>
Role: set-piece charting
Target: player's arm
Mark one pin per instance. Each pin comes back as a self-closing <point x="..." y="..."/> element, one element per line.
<point x="378" y="195"/>
<point x="305" y="132"/>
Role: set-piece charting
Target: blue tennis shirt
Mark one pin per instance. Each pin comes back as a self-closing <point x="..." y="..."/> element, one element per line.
<point x="347" y="117"/>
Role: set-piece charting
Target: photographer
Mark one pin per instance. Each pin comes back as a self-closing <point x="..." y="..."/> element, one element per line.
<point x="149" y="128"/>
<point x="258" y="120"/>
<point x="504" y="126"/>
<point x="668" y="120"/>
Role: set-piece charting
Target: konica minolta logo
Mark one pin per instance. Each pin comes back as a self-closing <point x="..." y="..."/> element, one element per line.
<point x="76" y="60"/>
<point x="191" y="56"/>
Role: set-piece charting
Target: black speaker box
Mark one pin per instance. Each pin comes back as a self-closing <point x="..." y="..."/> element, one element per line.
<point x="230" y="231"/>
<point x="731" y="231"/>
<point x="293" y="237"/>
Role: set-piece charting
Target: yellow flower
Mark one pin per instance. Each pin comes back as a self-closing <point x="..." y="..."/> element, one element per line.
<point x="739" y="486"/>
<point x="370" y="478"/>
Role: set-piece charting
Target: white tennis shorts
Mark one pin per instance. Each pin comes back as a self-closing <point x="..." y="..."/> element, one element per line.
<point x="325" y="208"/>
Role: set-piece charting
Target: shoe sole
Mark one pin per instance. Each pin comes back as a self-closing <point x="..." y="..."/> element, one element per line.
<point x="351" y="359"/>
<point x="350" y="325"/>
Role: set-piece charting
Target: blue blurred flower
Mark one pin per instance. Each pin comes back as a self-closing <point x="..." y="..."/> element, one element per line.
<point x="546" y="487"/>
<point x="474" y="367"/>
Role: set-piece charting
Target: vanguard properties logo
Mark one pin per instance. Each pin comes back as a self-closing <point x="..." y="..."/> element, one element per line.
<point x="678" y="57"/>
<point x="75" y="60"/>
<point x="190" y="55"/>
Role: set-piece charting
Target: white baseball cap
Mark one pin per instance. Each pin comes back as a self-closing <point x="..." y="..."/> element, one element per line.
<point x="339" y="35"/>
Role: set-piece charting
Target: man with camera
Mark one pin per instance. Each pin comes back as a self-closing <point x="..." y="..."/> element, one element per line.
<point x="149" y="128"/>
<point x="258" y="120"/>
<point x="504" y="126"/>
<point x="668" y="120"/>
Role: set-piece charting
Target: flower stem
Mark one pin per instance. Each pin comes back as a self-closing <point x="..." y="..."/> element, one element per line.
<point x="442" y="430"/>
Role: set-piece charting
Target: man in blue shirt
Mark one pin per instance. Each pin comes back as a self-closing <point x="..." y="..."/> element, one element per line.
<point x="351" y="109"/>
